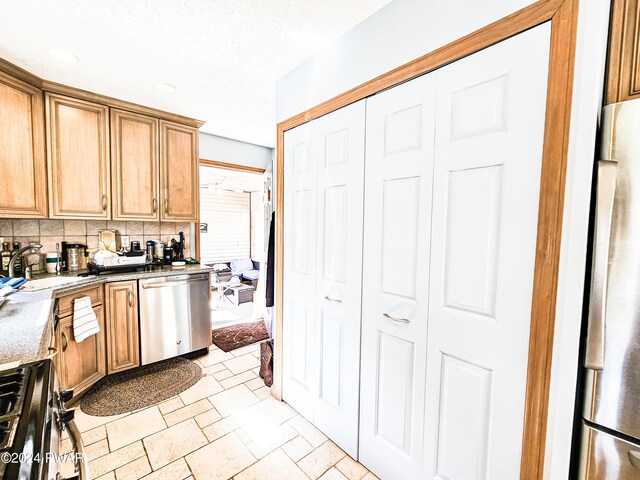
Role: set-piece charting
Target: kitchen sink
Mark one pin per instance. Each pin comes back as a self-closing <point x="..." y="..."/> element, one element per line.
<point x="48" y="282"/>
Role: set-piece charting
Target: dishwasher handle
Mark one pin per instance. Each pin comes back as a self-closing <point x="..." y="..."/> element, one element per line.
<point x="173" y="283"/>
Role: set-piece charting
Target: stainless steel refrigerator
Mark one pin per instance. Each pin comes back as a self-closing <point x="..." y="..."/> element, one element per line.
<point x="611" y="423"/>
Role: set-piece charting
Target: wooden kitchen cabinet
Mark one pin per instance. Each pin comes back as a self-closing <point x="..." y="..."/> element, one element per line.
<point x="134" y="166"/>
<point x="78" y="156"/>
<point x="121" y="302"/>
<point x="80" y="365"/>
<point x="178" y="172"/>
<point x="623" y="70"/>
<point x="23" y="181"/>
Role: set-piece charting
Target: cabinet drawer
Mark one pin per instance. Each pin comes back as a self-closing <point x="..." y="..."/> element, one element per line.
<point x="65" y="303"/>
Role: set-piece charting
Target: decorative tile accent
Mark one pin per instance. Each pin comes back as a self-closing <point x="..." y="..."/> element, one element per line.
<point x="51" y="228"/>
<point x="151" y="228"/>
<point x="118" y="226"/>
<point x="94" y="226"/>
<point x="75" y="227"/>
<point x="134" y="228"/>
<point x="6" y="228"/>
<point x="26" y="228"/>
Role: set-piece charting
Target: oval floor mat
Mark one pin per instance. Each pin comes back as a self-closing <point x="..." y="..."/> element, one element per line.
<point x="141" y="387"/>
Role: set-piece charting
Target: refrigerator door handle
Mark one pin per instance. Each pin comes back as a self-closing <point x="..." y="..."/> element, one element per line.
<point x="605" y="193"/>
<point x="634" y="458"/>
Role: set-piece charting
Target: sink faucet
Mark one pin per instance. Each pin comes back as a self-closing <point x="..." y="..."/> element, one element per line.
<point x="19" y="252"/>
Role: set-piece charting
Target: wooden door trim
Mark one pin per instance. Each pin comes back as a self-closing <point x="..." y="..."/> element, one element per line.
<point x="563" y="15"/>
<point x="228" y="166"/>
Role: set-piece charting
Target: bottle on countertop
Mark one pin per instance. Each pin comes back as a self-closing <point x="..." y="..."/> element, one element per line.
<point x="5" y="255"/>
<point x="17" y="264"/>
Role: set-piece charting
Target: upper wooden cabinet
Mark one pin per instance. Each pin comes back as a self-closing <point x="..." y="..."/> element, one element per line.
<point x="134" y="166"/>
<point x="178" y="172"/>
<point x="121" y="300"/>
<point x="623" y="71"/>
<point x="23" y="178"/>
<point x="78" y="155"/>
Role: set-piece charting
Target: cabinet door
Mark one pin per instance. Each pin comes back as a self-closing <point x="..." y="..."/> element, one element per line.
<point x="134" y="166"/>
<point x="488" y="155"/>
<point x="81" y="364"/>
<point x="340" y="158"/>
<point x="397" y="221"/>
<point x="300" y="366"/>
<point x="121" y="301"/>
<point x="23" y="181"/>
<point x="178" y="172"/>
<point x="78" y="154"/>
<point x="623" y="66"/>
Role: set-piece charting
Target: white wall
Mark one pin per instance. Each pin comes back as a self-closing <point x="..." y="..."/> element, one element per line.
<point x="227" y="150"/>
<point x="396" y="34"/>
<point x="407" y="29"/>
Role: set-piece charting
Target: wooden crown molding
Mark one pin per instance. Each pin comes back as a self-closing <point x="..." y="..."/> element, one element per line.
<point x="52" y="87"/>
<point x="230" y="166"/>
<point x="563" y="17"/>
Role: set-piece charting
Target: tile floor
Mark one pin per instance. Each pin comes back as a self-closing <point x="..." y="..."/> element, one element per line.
<point x="227" y="426"/>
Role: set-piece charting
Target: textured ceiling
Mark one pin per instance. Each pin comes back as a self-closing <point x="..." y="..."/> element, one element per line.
<point x="223" y="56"/>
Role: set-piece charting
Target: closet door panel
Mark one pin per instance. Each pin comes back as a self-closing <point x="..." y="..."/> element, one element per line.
<point x="300" y="364"/>
<point x="340" y="155"/>
<point x="488" y="153"/>
<point x="399" y="151"/>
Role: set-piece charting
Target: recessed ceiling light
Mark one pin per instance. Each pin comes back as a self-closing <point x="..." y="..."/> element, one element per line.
<point x="166" y="87"/>
<point x="63" y="56"/>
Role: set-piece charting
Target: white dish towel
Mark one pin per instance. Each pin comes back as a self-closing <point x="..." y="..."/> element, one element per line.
<point x="85" y="322"/>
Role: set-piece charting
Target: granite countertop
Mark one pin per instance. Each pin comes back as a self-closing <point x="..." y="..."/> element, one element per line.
<point x="26" y="317"/>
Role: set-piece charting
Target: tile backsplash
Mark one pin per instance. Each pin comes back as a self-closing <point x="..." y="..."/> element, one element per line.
<point x="49" y="232"/>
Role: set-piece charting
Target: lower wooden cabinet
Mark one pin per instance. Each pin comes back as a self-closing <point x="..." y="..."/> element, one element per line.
<point x="121" y="302"/>
<point x="80" y="365"/>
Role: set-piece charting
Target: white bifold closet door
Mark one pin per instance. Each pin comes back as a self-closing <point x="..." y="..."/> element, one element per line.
<point x="488" y="154"/>
<point x="324" y="178"/>
<point x="399" y="169"/>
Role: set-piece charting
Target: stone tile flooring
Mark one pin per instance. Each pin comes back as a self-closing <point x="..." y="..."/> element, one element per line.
<point x="227" y="426"/>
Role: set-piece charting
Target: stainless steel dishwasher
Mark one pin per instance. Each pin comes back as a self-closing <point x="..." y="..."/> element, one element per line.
<point x="175" y="316"/>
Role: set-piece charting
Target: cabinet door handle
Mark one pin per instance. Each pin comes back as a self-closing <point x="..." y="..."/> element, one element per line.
<point x="104" y="203"/>
<point x="130" y="298"/>
<point x="155" y="205"/>
<point x="329" y="299"/>
<point x="65" y="341"/>
<point x="396" y="319"/>
<point x="166" y="206"/>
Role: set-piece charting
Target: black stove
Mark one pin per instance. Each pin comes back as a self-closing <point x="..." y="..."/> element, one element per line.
<point x="32" y="417"/>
